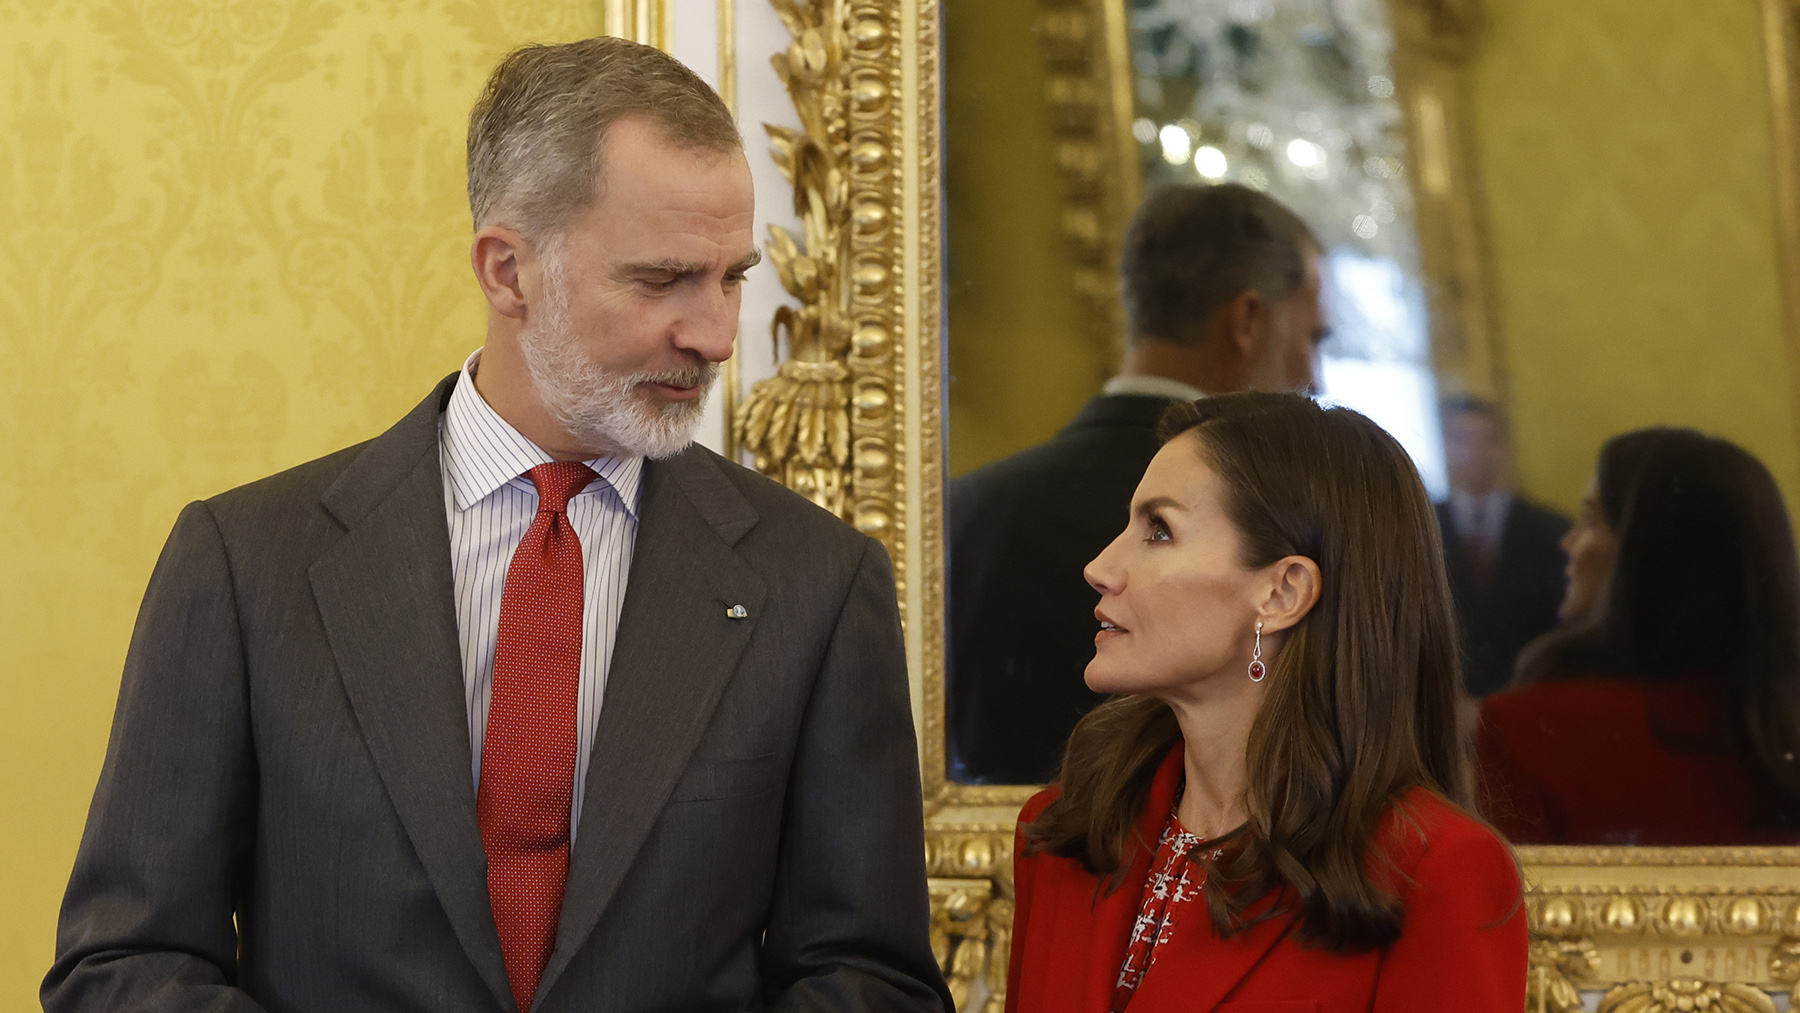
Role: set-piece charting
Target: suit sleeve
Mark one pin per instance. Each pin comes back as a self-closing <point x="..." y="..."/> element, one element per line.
<point x="146" y="922"/>
<point x="850" y="916"/>
<point x="1462" y="941"/>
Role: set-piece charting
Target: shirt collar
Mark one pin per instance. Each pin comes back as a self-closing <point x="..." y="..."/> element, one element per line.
<point x="483" y="452"/>
<point x="1142" y="385"/>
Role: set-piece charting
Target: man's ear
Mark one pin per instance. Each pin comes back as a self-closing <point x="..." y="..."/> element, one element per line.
<point x="1245" y="318"/>
<point x="1295" y="585"/>
<point x="498" y="254"/>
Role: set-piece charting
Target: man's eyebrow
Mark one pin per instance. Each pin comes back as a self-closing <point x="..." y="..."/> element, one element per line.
<point x="676" y="267"/>
<point x="1155" y="503"/>
<point x="671" y="265"/>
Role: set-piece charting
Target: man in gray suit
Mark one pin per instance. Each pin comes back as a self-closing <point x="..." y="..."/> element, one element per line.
<point x="525" y="703"/>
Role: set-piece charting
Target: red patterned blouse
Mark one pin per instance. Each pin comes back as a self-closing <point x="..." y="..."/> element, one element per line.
<point x="1177" y="874"/>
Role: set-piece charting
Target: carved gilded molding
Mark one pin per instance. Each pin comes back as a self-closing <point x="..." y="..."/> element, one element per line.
<point x="1086" y="48"/>
<point x="1658" y="927"/>
<point x="1781" y="40"/>
<point x="828" y="423"/>
<point x="1434" y="39"/>
<point x="1650" y="929"/>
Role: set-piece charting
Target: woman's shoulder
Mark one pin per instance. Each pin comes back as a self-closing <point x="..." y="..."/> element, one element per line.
<point x="1035" y="806"/>
<point x="1429" y="837"/>
<point x="1576" y="696"/>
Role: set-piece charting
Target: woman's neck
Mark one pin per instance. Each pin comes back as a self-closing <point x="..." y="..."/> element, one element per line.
<point x="1215" y="730"/>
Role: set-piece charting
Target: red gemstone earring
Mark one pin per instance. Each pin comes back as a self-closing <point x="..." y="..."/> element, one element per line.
<point x="1257" y="671"/>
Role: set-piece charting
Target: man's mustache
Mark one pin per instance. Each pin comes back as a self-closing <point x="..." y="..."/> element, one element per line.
<point x="693" y="376"/>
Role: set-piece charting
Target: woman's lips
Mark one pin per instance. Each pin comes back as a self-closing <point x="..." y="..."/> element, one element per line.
<point x="1109" y="630"/>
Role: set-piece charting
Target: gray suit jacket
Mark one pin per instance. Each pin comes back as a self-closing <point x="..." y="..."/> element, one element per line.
<point x="286" y="816"/>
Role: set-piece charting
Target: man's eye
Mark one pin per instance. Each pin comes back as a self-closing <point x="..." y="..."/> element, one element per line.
<point x="659" y="284"/>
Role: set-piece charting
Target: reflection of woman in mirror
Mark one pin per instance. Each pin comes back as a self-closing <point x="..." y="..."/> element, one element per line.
<point x="1666" y="708"/>
<point x="1275" y="806"/>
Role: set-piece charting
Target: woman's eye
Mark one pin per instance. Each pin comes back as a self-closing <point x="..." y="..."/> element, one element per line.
<point x="1159" y="532"/>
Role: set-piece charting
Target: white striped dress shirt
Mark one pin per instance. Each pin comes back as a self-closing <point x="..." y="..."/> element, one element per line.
<point x="490" y="502"/>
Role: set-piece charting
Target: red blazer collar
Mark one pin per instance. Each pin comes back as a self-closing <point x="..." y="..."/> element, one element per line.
<point x="1196" y="970"/>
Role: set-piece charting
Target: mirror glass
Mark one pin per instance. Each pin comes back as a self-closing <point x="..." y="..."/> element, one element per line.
<point x="1615" y="171"/>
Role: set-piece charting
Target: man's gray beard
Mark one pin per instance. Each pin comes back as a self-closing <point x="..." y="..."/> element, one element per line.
<point x="604" y="411"/>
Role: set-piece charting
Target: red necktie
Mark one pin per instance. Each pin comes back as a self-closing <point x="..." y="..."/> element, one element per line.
<point x="528" y="753"/>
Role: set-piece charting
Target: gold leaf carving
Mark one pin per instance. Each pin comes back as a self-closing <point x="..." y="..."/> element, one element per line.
<point x="971" y="936"/>
<point x="1683" y="996"/>
<point x="1784" y="962"/>
<point x="1556" y="966"/>
<point x="836" y="392"/>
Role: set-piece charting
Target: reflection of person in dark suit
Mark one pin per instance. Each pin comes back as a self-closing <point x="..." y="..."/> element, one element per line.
<point x="1221" y="284"/>
<point x="525" y="704"/>
<point x="1506" y="568"/>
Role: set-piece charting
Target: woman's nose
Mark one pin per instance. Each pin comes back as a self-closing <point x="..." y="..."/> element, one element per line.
<point x="1101" y="573"/>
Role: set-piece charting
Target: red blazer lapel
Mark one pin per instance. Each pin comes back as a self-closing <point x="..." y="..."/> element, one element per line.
<point x="1195" y="970"/>
<point x="1109" y="928"/>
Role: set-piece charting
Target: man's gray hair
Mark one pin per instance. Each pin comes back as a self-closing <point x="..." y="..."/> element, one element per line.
<point x="535" y="136"/>
<point x="1192" y="248"/>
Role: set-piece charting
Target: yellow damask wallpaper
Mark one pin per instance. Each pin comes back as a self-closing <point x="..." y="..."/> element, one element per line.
<point x="1624" y="146"/>
<point x="233" y="236"/>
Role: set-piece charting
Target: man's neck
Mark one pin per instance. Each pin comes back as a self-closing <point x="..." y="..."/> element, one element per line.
<point x="1193" y="365"/>
<point x="504" y="381"/>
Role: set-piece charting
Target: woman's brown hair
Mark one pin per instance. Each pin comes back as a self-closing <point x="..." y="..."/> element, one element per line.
<point x="1362" y="699"/>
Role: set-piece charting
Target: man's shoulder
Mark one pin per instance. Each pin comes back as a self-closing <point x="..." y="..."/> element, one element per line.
<point x="301" y="484"/>
<point x="347" y="481"/>
<point x="1103" y="440"/>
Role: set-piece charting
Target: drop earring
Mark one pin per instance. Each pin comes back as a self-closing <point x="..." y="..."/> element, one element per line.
<point x="1257" y="670"/>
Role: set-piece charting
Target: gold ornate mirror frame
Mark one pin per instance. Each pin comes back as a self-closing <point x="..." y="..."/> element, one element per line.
<point x="854" y="421"/>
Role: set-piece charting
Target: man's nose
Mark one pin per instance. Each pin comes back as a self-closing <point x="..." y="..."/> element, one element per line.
<point x="711" y="331"/>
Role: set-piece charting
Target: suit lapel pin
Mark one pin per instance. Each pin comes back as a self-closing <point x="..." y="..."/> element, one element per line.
<point x="738" y="612"/>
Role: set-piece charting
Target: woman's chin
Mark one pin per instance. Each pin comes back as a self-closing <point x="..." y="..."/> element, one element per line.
<point x="1103" y="678"/>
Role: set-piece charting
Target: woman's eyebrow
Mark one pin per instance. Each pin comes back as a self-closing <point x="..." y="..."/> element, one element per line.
<point x="1153" y="504"/>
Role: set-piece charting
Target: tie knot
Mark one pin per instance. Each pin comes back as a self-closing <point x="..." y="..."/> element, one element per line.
<point x="557" y="481"/>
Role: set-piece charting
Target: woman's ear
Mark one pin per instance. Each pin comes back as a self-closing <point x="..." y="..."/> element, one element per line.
<point x="1294" y="588"/>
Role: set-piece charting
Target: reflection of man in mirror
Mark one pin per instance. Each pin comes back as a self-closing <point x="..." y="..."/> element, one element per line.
<point x="1506" y="570"/>
<point x="1221" y="286"/>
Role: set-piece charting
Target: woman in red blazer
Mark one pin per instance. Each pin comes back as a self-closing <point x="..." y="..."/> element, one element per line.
<point x="1270" y="816"/>
<point x="1666" y="708"/>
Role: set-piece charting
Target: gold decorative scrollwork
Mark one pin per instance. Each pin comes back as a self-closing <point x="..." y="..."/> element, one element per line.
<point x="1784" y="962"/>
<point x="1556" y="966"/>
<point x="797" y="423"/>
<point x="1683" y="996"/>
<point x="970" y="930"/>
<point x="826" y="424"/>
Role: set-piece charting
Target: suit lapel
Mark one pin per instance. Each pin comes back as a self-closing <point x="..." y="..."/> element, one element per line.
<point x="675" y="652"/>
<point x="385" y="595"/>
